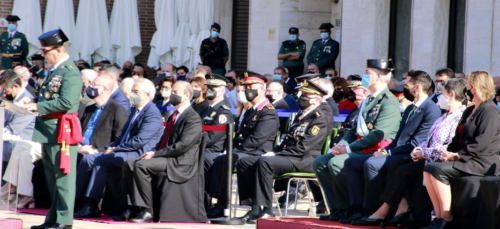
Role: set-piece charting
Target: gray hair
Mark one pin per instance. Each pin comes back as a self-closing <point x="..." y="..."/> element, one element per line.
<point x="89" y="74"/>
<point x="456" y="85"/>
<point x="110" y="70"/>
<point x="148" y="86"/>
<point x="327" y="85"/>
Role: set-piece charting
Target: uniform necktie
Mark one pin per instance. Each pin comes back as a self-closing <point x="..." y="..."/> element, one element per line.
<point x="170" y="126"/>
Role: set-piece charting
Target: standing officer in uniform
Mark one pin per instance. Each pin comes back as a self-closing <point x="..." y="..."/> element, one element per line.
<point x="58" y="128"/>
<point x="214" y="51"/>
<point x="292" y="53"/>
<point x="13" y="42"/>
<point x="217" y="113"/>
<point x="324" y="51"/>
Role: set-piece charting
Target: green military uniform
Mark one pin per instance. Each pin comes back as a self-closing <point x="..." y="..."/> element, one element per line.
<point x="13" y="46"/>
<point x="295" y="67"/>
<point x="59" y="93"/>
<point x="323" y="54"/>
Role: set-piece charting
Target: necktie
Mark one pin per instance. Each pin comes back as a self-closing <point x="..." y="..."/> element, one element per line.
<point x="168" y="131"/>
<point x="411" y="112"/>
<point x="125" y="136"/>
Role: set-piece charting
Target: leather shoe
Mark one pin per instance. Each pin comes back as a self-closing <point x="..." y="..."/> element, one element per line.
<point x="341" y="214"/>
<point x="215" y="212"/>
<point x="60" y="226"/>
<point x="325" y="217"/>
<point x="355" y="217"/>
<point x="367" y="221"/>
<point x="143" y="217"/>
<point x="437" y="223"/>
<point x="246" y="216"/>
<point x="42" y="226"/>
<point x="123" y="217"/>
<point x="403" y="218"/>
<point x="88" y="212"/>
<point x="253" y="219"/>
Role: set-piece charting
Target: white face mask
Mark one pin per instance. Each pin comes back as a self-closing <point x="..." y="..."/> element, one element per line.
<point x="166" y="94"/>
<point x="443" y="102"/>
<point x="241" y="97"/>
<point x="402" y="107"/>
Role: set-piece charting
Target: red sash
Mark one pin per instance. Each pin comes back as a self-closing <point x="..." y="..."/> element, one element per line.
<point x="69" y="134"/>
<point x="382" y="144"/>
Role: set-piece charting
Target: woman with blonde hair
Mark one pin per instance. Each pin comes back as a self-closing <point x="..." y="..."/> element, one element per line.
<point x="472" y="152"/>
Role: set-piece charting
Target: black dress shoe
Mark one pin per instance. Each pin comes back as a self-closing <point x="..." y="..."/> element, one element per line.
<point x="246" y="216"/>
<point x="325" y="217"/>
<point x="355" y="217"/>
<point x="143" y="217"/>
<point x="60" y="226"/>
<point x="88" y="212"/>
<point x="437" y="223"/>
<point x="367" y="221"/>
<point x="123" y="217"/>
<point x="42" y="226"/>
<point x="215" y="212"/>
<point x="341" y="214"/>
<point x="253" y="219"/>
<point x="403" y="218"/>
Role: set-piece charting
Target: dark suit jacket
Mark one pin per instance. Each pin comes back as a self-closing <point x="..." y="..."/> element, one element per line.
<point x="144" y="134"/>
<point x="108" y="127"/>
<point x="292" y="103"/>
<point x="164" y="114"/>
<point x="281" y="105"/>
<point x="216" y="115"/>
<point x="121" y="99"/>
<point x="290" y="86"/>
<point x="479" y="142"/>
<point x="182" y="151"/>
<point x="414" y="131"/>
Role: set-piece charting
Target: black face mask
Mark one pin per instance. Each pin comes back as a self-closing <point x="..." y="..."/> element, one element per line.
<point x="351" y="96"/>
<point x="270" y="98"/>
<point x="9" y="97"/>
<point x="231" y="80"/>
<point x="468" y="94"/>
<point x="211" y="94"/>
<point x="408" y="95"/>
<point x="196" y="94"/>
<point x="338" y="95"/>
<point x="175" y="99"/>
<point x="251" y="94"/>
<point x="303" y="102"/>
<point x="162" y="75"/>
<point x="92" y="92"/>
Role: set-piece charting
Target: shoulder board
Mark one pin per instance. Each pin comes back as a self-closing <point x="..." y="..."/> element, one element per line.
<point x="318" y="114"/>
<point x="269" y="106"/>
<point x="225" y="106"/>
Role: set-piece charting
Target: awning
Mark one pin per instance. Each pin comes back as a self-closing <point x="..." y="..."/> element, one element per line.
<point x="182" y="32"/>
<point x="30" y="23"/>
<point x="125" y="31"/>
<point x="166" y="24"/>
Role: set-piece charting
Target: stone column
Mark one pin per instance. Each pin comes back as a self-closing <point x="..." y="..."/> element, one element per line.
<point x="365" y="34"/>
<point x="479" y="35"/>
<point x="223" y="14"/>
<point x="429" y="36"/>
<point x="495" y="46"/>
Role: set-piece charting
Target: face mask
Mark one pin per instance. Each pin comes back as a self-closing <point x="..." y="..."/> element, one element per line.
<point x="135" y="99"/>
<point x="166" y="94"/>
<point x="338" y="95"/>
<point x="303" y="102"/>
<point x="351" y="96"/>
<point x="214" y="34"/>
<point x="9" y="97"/>
<point x="175" y="99"/>
<point x="293" y="37"/>
<point x="196" y="94"/>
<point x="408" y="95"/>
<point x="443" y="103"/>
<point x="168" y="74"/>
<point x="231" y="80"/>
<point x="402" y="107"/>
<point x="211" y="94"/>
<point x="328" y="77"/>
<point x="92" y="92"/>
<point x="251" y="94"/>
<point x="468" y="94"/>
<point x="241" y="97"/>
<point x="12" y="27"/>
<point x="325" y="35"/>
<point x="365" y="80"/>
<point x="277" y="77"/>
<point x="270" y="98"/>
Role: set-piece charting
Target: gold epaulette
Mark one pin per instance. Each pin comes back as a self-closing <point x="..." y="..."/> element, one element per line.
<point x="225" y="106"/>
<point x="269" y="106"/>
<point x="318" y="114"/>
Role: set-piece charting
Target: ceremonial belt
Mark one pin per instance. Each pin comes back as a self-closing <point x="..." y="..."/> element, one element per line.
<point x="69" y="134"/>
<point x="10" y="54"/>
<point x="382" y="144"/>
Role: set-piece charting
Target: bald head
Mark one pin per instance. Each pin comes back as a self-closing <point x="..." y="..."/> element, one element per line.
<point x="207" y="69"/>
<point x="168" y="67"/>
<point x="184" y="90"/>
<point x="128" y="65"/>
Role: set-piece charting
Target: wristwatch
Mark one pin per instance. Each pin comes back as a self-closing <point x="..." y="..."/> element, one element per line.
<point x="455" y="156"/>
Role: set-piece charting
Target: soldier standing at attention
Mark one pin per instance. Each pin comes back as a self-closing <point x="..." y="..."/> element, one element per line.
<point x="57" y="127"/>
<point x="324" y="51"/>
<point x="214" y="51"/>
<point x="292" y="53"/>
<point x="13" y="42"/>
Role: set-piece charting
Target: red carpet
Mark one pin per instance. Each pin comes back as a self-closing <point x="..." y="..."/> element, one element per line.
<point x="104" y="218"/>
<point x="306" y="223"/>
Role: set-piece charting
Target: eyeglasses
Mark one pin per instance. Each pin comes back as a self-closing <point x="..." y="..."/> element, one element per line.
<point x="46" y="51"/>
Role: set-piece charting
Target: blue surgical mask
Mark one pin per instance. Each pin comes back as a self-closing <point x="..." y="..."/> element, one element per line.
<point x="325" y="35"/>
<point x="328" y="77"/>
<point x="214" y="34"/>
<point x="167" y="74"/>
<point x="365" y="80"/>
<point x="293" y="37"/>
<point x="277" y="77"/>
<point x="12" y="27"/>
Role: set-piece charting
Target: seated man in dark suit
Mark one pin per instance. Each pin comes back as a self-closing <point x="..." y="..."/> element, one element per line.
<point x="165" y="92"/>
<point x="274" y="94"/>
<point x="140" y="134"/>
<point x="366" y="175"/>
<point x="117" y="95"/>
<point x="176" y="154"/>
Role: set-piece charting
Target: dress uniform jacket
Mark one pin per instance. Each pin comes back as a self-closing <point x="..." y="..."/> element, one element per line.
<point x="295" y="67"/>
<point x="216" y="115"/>
<point x="323" y="55"/>
<point x="15" y="46"/>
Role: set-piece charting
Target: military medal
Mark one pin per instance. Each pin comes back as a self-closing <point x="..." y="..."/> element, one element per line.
<point x="47" y="95"/>
<point x="222" y="119"/>
<point x="213" y="113"/>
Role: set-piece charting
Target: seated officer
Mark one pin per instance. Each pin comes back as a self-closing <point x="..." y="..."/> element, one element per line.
<point x="140" y="134"/>
<point x="302" y="144"/>
<point x="217" y="113"/>
<point x="255" y="137"/>
<point x="374" y="129"/>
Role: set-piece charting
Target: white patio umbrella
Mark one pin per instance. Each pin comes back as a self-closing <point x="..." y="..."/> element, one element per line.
<point x="205" y="18"/>
<point x="125" y="31"/>
<point x="166" y="24"/>
<point x="31" y="22"/>
<point x="92" y="31"/>
<point x="182" y="32"/>
<point x="194" y="26"/>
<point x="60" y="14"/>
